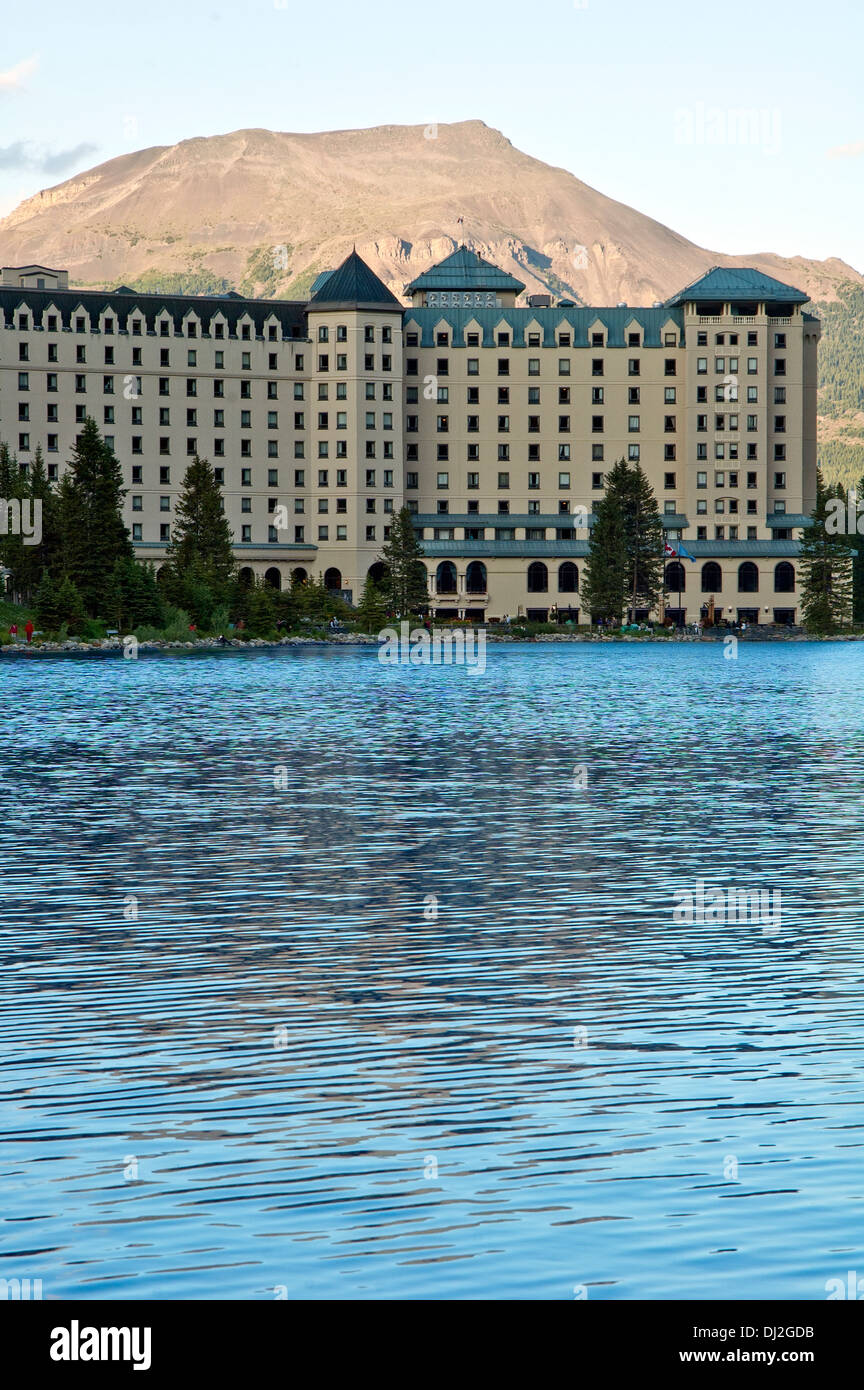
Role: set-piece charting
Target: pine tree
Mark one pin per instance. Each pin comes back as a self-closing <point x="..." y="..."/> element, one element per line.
<point x="643" y="538"/>
<point x="13" y="490"/>
<point x="405" y="585"/>
<point x="372" y="608"/>
<point x="625" y="548"/>
<point x="70" y="606"/>
<point x="93" y="533"/>
<point x="853" y="508"/>
<point x="605" y="586"/>
<point x="202" y="540"/>
<point x="47" y="604"/>
<point x="36" y="559"/>
<point x="825" y="566"/>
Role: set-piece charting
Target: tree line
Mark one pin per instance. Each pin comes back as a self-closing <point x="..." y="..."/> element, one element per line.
<point x="84" y="571"/>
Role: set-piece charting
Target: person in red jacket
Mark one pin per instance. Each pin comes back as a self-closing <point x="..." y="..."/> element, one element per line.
<point x="13" y="631"/>
<point x="28" y="628"/>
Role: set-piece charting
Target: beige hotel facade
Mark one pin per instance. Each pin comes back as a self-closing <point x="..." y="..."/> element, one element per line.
<point x="492" y="416"/>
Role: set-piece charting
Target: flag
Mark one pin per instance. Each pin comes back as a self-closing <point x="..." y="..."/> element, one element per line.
<point x="685" y="553"/>
<point x="669" y="549"/>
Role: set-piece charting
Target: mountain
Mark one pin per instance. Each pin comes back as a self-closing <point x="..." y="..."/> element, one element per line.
<point x="264" y="211"/>
<point x="214" y="208"/>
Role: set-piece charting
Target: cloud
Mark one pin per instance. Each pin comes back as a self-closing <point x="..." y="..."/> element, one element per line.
<point x="847" y="151"/>
<point x="13" y="79"/>
<point x="22" y="155"/>
<point x="64" y="159"/>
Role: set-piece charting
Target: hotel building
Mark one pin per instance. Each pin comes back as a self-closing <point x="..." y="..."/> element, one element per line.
<point x="492" y="416"/>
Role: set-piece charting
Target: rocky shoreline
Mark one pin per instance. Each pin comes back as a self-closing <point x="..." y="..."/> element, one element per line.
<point x="114" y="646"/>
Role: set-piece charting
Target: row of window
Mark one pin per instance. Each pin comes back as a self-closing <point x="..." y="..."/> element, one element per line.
<point x="537" y="578"/>
<point x="81" y="324"/>
<point x="748" y="577"/>
<point x="472" y="366"/>
<point x="598" y="339"/>
<point x="273" y="537"/>
<point x="342" y="333"/>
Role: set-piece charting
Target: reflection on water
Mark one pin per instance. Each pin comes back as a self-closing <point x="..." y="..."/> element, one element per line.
<point x="412" y="1017"/>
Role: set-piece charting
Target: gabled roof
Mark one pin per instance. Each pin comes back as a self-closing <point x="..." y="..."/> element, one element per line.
<point x="465" y="270"/>
<point x="737" y="282"/>
<point x="353" y="284"/>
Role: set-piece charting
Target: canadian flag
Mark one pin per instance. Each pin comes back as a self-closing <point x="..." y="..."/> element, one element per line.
<point x="669" y="549"/>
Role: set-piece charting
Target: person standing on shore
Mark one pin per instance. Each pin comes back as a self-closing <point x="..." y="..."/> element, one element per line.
<point x="28" y="628"/>
<point x="13" y="631"/>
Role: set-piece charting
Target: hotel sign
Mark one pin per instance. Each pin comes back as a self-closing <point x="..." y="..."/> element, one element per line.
<point x="461" y="299"/>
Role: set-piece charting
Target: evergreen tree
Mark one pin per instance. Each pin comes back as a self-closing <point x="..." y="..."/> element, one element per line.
<point x="405" y="584"/>
<point x="854" y="504"/>
<point x="372" y="608"/>
<point x="261" y="605"/>
<point x="825" y="565"/>
<point x="643" y="538"/>
<point x="47" y="604"/>
<point x="70" y="606"/>
<point x="201" y="544"/>
<point x="93" y="534"/>
<point x="36" y="559"/>
<point x="13" y="490"/>
<point x="605" y="586"/>
<point x="625" y="549"/>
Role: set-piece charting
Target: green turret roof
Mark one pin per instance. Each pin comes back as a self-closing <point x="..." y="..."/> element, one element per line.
<point x="465" y="270"/>
<point x="353" y="285"/>
<point x="737" y="282"/>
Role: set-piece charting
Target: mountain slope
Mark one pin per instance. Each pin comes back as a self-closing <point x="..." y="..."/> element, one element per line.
<point x="213" y="209"/>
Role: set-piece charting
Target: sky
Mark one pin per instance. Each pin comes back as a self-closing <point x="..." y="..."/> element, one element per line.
<point x="644" y="101"/>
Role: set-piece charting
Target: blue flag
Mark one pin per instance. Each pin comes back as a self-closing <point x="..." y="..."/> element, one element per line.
<point x="685" y="553"/>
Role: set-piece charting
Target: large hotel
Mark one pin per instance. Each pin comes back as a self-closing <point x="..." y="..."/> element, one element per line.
<point x="492" y="416"/>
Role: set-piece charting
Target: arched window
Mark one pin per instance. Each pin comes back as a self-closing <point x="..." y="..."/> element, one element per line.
<point x="246" y="577"/>
<point x="712" y="578"/>
<point x="538" y="578"/>
<point x="475" y="578"/>
<point x="332" y="579"/>
<point x="748" y="578"/>
<point x="378" y="572"/>
<point x="299" y="576"/>
<point x="568" y="578"/>
<point x="273" y="578"/>
<point x="445" y="578"/>
<point x="676" y="579"/>
<point x="784" y="578"/>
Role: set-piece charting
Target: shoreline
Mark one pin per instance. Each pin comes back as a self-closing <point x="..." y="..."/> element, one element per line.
<point x="109" y="646"/>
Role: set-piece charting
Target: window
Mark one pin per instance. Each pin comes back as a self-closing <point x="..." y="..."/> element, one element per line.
<point x="633" y="424"/>
<point x="563" y="480"/>
<point x="533" y="366"/>
<point x="538" y="578"/>
<point x="503" y="366"/>
<point x="533" y="481"/>
<point x="503" y="480"/>
<point x="596" y="480"/>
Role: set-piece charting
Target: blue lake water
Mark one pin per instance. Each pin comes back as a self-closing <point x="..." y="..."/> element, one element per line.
<point x="294" y="1072"/>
